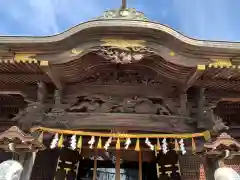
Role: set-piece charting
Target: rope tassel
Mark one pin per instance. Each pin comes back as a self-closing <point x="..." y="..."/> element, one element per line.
<point x="99" y="146"/>
<point x="79" y="143"/>
<point x="158" y="148"/>
<point x="40" y="138"/>
<point x="60" y="142"/>
<point x="118" y="145"/>
<point x="137" y="147"/>
<point x="193" y="146"/>
<point x="177" y="148"/>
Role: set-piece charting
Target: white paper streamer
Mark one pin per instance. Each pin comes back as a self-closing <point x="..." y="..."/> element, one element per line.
<point x="127" y="143"/>
<point x="107" y="144"/>
<point x="147" y="141"/>
<point x="182" y="147"/>
<point x="91" y="142"/>
<point x="73" y="142"/>
<point x="54" y="142"/>
<point x="164" y="146"/>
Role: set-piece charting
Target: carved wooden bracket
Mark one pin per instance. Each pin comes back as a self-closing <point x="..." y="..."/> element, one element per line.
<point x="224" y="142"/>
<point x="14" y="140"/>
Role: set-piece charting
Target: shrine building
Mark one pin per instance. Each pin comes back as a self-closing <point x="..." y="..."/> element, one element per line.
<point x="119" y="98"/>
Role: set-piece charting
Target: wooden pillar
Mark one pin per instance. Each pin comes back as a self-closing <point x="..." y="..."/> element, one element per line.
<point x="200" y="109"/>
<point x="28" y="165"/>
<point x="183" y="104"/>
<point x="210" y="165"/>
<point x="41" y="92"/>
<point x="117" y="165"/>
<point x="140" y="165"/>
<point x="95" y="165"/>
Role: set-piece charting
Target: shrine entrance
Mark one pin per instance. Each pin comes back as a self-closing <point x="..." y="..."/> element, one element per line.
<point x="117" y="165"/>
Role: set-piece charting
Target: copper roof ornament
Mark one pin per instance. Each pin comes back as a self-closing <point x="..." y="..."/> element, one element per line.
<point x="14" y="140"/>
<point x="124" y="13"/>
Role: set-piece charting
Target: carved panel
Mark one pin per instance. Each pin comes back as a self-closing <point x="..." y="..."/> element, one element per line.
<point x="121" y="77"/>
<point x="113" y="104"/>
<point x="125" y="55"/>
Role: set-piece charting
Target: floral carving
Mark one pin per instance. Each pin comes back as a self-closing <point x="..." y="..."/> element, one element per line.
<point x="124" y="56"/>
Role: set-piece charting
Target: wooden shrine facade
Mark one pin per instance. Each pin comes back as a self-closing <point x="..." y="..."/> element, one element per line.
<point x="120" y="73"/>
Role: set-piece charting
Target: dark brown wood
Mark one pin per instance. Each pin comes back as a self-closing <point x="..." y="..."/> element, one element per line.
<point x="183" y="102"/>
<point x="124" y="4"/>
<point x="14" y="140"/>
<point x="53" y="75"/>
<point x="118" y="165"/>
<point x="191" y="81"/>
<point x="159" y="123"/>
<point x="200" y="109"/>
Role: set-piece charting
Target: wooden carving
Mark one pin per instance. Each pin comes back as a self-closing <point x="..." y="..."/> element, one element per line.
<point x="127" y="56"/>
<point x="224" y="141"/>
<point x="213" y="122"/>
<point x="107" y="104"/>
<point x="122" y="78"/>
<point x="14" y="140"/>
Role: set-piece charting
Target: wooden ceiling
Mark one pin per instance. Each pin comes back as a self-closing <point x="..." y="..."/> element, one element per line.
<point x="152" y="71"/>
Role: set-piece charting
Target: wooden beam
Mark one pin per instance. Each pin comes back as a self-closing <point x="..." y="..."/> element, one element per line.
<point x="196" y="75"/>
<point x="121" y="120"/>
<point x="21" y="78"/>
<point x="51" y="74"/>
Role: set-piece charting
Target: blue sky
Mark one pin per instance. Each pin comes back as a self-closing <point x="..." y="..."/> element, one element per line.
<point x="201" y="19"/>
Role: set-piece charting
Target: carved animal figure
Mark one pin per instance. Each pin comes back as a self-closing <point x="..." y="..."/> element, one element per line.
<point x="106" y="104"/>
<point x="34" y="109"/>
<point x="213" y="122"/>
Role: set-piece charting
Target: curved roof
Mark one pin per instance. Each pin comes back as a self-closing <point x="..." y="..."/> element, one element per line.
<point x="172" y="55"/>
<point x="136" y="29"/>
